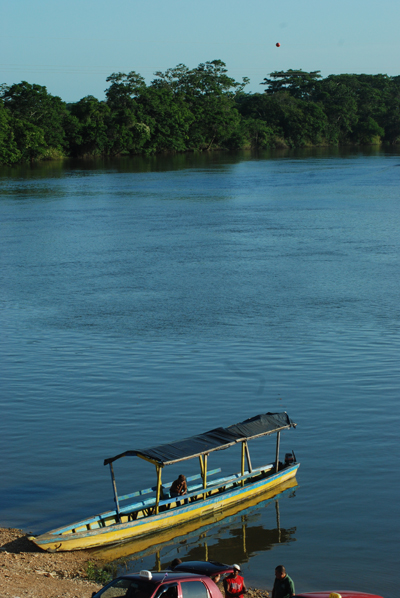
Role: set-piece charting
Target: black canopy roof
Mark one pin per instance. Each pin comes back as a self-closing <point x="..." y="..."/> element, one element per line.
<point x="214" y="440"/>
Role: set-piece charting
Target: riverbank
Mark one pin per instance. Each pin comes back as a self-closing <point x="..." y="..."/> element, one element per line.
<point x="26" y="571"/>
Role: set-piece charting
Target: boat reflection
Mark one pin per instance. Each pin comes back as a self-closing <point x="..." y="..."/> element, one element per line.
<point x="231" y="535"/>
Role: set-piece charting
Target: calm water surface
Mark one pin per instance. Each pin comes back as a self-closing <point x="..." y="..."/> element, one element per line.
<point x="143" y="301"/>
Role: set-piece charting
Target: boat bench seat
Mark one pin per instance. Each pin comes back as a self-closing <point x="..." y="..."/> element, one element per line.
<point x="229" y="480"/>
<point x="150" y="502"/>
<point x="194" y="492"/>
<point x="221" y="483"/>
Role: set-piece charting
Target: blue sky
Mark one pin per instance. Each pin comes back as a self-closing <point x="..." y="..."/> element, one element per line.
<point x="71" y="47"/>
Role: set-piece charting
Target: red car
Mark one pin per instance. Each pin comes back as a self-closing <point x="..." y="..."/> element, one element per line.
<point x="166" y="584"/>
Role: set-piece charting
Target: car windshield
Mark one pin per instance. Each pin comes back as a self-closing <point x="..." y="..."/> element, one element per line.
<point x="128" y="588"/>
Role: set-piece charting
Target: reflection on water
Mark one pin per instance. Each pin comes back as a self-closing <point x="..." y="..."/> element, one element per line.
<point x="169" y="162"/>
<point x="231" y="535"/>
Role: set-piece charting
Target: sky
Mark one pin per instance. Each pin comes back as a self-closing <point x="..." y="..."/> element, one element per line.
<point x="71" y="47"/>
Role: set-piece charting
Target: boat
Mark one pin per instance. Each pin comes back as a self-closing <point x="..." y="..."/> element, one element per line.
<point x="205" y="534"/>
<point x="153" y="510"/>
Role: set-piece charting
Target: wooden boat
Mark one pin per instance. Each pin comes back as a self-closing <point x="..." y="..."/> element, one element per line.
<point x="195" y="533"/>
<point x="143" y="516"/>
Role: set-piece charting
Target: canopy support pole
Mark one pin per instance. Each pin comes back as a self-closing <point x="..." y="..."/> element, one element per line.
<point x="243" y="457"/>
<point x="248" y="458"/>
<point x="278" y="437"/>
<point x="201" y="465"/>
<point x="158" y="561"/>
<point x="159" y="470"/>
<point x="205" y="475"/>
<point x="278" y="520"/>
<point x="115" y="492"/>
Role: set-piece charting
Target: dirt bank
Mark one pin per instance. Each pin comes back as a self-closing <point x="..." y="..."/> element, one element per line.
<point x="26" y="571"/>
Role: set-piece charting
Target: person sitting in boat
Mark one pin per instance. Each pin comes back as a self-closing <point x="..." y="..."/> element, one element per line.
<point x="234" y="585"/>
<point x="178" y="487"/>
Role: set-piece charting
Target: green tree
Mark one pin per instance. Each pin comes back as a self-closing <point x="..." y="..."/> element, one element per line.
<point x="30" y="140"/>
<point x="288" y="120"/>
<point x="340" y="106"/>
<point x="205" y="96"/>
<point x="303" y="123"/>
<point x="174" y="79"/>
<point x="168" y="119"/>
<point x="210" y="94"/>
<point x="9" y="152"/>
<point x="372" y="95"/>
<point x="392" y="117"/>
<point x="299" y="84"/>
<point x="264" y="108"/>
<point x="126" y="134"/>
<point x="88" y="132"/>
<point x="258" y="133"/>
<point x="32" y="104"/>
<point x="124" y="89"/>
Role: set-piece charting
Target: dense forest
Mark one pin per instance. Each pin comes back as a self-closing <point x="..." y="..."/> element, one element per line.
<point x="199" y="109"/>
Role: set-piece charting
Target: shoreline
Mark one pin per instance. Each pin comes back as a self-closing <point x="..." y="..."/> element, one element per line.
<point x="26" y="571"/>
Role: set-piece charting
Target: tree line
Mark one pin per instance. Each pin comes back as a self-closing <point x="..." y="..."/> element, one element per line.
<point x="199" y="109"/>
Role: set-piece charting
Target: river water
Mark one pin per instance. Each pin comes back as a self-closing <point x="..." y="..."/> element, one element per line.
<point x="147" y="300"/>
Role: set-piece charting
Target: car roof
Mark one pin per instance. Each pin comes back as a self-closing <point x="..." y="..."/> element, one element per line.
<point x="159" y="576"/>
<point x="204" y="567"/>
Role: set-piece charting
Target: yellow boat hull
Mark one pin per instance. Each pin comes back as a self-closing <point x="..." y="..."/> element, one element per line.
<point x="155" y="542"/>
<point x="83" y="537"/>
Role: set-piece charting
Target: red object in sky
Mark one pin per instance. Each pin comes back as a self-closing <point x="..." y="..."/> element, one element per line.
<point x="278" y="45"/>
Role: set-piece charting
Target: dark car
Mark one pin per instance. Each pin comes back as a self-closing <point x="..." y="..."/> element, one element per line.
<point x="164" y="584"/>
<point x="209" y="568"/>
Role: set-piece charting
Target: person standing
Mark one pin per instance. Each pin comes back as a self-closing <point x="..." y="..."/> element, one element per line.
<point x="283" y="584"/>
<point x="234" y="585"/>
